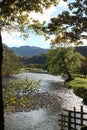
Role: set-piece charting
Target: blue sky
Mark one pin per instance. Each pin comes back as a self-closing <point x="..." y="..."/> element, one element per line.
<point x="13" y="39"/>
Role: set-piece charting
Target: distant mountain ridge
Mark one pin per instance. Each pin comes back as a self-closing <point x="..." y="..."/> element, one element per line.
<point x="41" y="59"/>
<point x="32" y="50"/>
<point x="28" y="50"/>
<point x="82" y="50"/>
<point x="38" y="55"/>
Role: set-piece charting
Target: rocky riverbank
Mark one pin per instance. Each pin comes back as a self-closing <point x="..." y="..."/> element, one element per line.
<point x="41" y="113"/>
<point x="39" y="100"/>
<point x="45" y="100"/>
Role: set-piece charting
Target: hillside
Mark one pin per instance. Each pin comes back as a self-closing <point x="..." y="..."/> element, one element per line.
<point x="82" y="50"/>
<point x="32" y="51"/>
<point x="35" y="55"/>
<point x="37" y="59"/>
<point x="10" y="63"/>
<point x="28" y="50"/>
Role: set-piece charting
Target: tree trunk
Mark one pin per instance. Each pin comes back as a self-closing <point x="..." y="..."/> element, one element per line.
<point x="85" y="74"/>
<point x="69" y="78"/>
<point x="1" y="94"/>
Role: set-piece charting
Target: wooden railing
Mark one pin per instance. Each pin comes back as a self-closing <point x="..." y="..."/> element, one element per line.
<point x="73" y="120"/>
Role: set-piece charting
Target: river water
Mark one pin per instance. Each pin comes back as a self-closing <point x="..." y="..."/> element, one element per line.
<point x="44" y="118"/>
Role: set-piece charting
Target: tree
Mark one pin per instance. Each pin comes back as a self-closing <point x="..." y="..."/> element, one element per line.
<point x="83" y="68"/>
<point x="14" y="14"/>
<point x="10" y="62"/>
<point x="1" y="95"/>
<point x="74" y="22"/>
<point x="67" y="28"/>
<point x="19" y="94"/>
<point x="63" y="61"/>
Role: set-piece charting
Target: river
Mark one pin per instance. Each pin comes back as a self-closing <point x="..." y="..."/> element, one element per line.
<point x="43" y="118"/>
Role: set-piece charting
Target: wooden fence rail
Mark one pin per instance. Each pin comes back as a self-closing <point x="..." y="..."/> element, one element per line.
<point x="73" y="120"/>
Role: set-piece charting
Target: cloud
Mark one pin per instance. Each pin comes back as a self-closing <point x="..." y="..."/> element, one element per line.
<point x="14" y="40"/>
<point x="84" y="42"/>
<point x="48" y="13"/>
<point x="63" y="4"/>
<point x="10" y="39"/>
<point x="45" y="16"/>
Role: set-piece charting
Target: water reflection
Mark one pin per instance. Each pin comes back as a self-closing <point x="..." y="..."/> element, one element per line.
<point x="39" y="76"/>
<point x="43" y="119"/>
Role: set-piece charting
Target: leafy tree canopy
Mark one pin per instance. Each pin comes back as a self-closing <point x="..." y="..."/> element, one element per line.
<point x="63" y="61"/>
<point x="20" y="94"/>
<point x="15" y="13"/>
<point x="70" y="24"/>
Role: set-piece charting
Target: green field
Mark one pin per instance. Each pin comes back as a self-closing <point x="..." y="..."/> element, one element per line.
<point x="78" y="82"/>
<point x="79" y="86"/>
<point x="27" y="69"/>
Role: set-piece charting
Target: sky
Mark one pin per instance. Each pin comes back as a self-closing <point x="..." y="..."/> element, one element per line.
<point x="13" y="39"/>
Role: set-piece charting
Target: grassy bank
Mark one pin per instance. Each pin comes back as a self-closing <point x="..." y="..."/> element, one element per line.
<point x="22" y="70"/>
<point x="79" y="86"/>
<point x="78" y="82"/>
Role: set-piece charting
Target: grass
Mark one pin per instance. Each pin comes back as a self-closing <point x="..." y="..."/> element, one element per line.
<point x="79" y="86"/>
<point x="27" y="69"/>
<point x="78" y="82"/>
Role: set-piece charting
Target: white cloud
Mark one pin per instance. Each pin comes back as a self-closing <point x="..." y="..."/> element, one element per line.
<point x="45" y="16"/>
<point x="62" y="4"/>
<point x="84" y="42"/>
<point x="14" y="40"/>
<point x="10" y="39"/>
<point x="84" y="33"/>
<point x="48" y="13"/>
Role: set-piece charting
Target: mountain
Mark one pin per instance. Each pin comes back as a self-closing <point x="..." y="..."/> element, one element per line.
<point x="28" y="50"/>
<point x="82" y="50"/>
<point x="37" y="59"/>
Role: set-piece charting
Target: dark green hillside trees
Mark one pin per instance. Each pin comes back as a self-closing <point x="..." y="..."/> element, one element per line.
<point x="10" y="63"/>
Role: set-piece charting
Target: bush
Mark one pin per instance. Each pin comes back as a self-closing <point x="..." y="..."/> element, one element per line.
<point x="19" y="94"/>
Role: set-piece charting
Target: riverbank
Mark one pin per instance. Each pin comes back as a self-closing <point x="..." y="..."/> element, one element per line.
<point x="35" y="102"/>
<point x="79" y="86"/>
<point x="52" y="93"/>
<point x="38" y="99"/>
<point x="42" y="112"/>
<point x="46" y="117"/>
<point x="28" y="69"/>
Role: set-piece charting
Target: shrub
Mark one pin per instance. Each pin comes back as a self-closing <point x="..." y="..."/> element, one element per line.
<point x="19" y="94"/>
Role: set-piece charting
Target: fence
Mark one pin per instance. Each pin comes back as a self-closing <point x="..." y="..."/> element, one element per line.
<point x="73" y="120"/>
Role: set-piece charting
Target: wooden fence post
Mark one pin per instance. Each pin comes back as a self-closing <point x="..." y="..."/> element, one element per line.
<point x="69" y="120"/>
<point x="62" y="121"/>
<point x="75" y="118"/>
<point x="84" y="128"/>
<point x="81" y="116"/>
